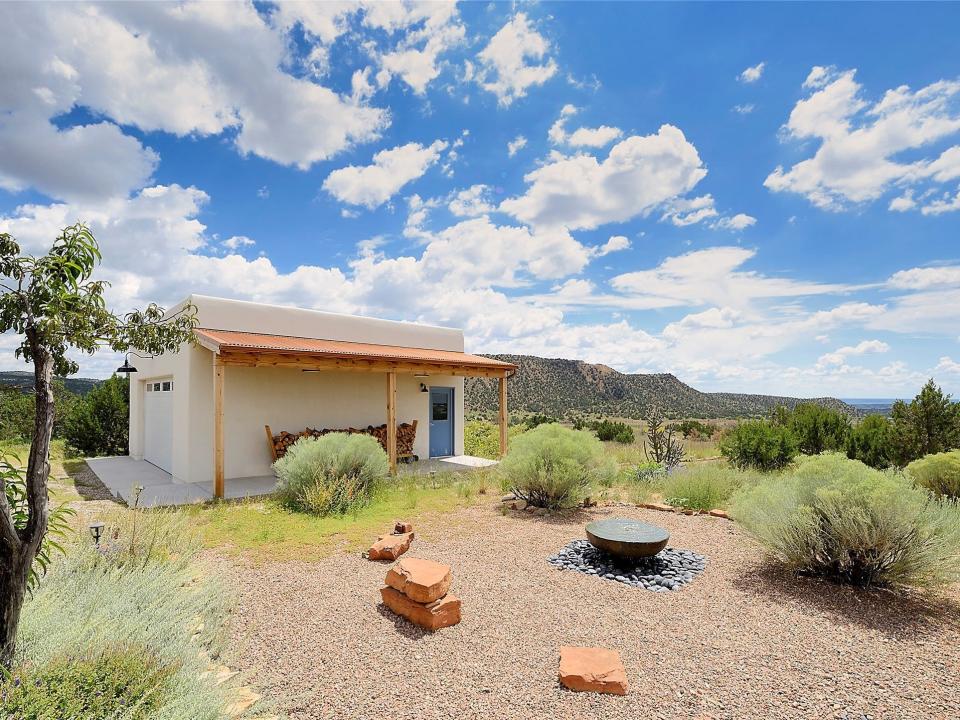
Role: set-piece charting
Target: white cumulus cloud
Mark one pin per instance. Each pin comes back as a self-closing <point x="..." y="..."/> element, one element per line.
<point x="374" y="184"/>
<point x="640" y="173"/>
<point x="515" y="59"/>
<point x="862" y="143"/>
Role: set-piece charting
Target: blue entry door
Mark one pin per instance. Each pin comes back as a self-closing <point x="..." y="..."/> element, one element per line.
<point x="441" y="422"/>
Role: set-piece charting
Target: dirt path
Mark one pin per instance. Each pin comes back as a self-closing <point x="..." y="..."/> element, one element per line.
<point x="743" y="641"/>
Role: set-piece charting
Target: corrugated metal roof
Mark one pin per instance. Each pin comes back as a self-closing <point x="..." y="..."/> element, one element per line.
<point x="228" y="341"/>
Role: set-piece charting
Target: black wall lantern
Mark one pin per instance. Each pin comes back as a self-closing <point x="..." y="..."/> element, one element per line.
<point x="126" y="368"/>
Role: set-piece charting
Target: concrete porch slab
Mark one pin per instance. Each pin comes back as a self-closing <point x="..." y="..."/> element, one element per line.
<point x="122" y="474"/>
<point x="455" y="463"/>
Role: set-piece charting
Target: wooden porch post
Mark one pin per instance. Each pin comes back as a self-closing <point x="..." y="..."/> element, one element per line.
<point x="217" y="426"/>
<point x="392" y="421"/>
<point x="503" y="416"/>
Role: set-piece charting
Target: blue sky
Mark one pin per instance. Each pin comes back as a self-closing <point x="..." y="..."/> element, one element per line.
<point x="755" y="197"/>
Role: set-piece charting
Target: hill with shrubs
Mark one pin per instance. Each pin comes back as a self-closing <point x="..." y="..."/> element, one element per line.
<point x="571" y="387"/>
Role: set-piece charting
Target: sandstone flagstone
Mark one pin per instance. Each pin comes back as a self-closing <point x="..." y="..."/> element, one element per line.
<point x="390" y="547"/>
<point x="592" y="669"/>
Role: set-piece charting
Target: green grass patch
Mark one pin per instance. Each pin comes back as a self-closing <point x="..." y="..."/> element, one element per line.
<point x="266" y="530"/>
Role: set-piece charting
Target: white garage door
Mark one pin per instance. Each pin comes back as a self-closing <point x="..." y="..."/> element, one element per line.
<point x="158" y="424"/>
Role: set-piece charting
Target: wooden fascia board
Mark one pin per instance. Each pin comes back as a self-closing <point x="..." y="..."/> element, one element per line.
<point x="308" y="362"/>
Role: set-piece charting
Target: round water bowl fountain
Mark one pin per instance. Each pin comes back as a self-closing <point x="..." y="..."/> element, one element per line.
<point x="625" y="538"/>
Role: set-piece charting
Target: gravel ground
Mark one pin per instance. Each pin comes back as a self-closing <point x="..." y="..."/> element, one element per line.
<point x="745" y="640"/>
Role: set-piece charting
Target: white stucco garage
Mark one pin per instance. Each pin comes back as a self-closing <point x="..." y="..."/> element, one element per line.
<point x="200" y="414"/>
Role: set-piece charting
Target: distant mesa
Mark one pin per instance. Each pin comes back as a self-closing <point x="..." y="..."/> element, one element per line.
<point x="559" y="387"/>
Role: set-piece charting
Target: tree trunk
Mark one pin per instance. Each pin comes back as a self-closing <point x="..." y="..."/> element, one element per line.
<point x="13" y="591"/>
<point x="18" y="553"/>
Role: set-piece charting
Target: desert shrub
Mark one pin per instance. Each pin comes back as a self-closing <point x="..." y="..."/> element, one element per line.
<point x="555" y="467"/>
<point x="129" y="683"/>
<point x="532" y="421"/>
<point x="939" y="473"/>
<point x="695" y="429"/>
<point x="165" y="606"/>
<point x="759" y="445"/>
<point x="818" y="429"/>
<point x="870" y="442"/>
<point x="98" y="423"/>
<point x="700" y="487"/>
<point x="649" y="471"/>
<point x="836" y="517"/>
<point x="612" y="431"/>
<point x="482" y="438"/>
<point x="332" y="474"/>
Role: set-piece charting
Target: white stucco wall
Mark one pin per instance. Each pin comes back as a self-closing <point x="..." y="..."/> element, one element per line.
<point x="285" y="399"/>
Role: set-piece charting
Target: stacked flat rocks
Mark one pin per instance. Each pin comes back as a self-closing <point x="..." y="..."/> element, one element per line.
<point x="417" y="590"/>
<point x="392" y="546"/>
<point x="670" y="569"/>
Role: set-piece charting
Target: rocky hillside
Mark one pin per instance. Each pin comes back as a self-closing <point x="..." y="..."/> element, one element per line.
<point x="562" y="388"/>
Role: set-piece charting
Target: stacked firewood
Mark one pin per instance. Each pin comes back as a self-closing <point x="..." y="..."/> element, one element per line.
<point x="406" y="434"/>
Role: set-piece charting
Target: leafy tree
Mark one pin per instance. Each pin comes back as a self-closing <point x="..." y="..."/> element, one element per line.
<point x="928" y="424"/>
<point x="759" y="444"/>
<point x="16" y="414"/>
<point x="52" y="303"/>
<point x="97" y="424"/>
<point x="17" y="411"/>
<point x="870" y="442"/>
<point x="818" y="429"/>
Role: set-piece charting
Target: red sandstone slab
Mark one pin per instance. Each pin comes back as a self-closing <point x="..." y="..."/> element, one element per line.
<point x="592" y="669"/>
<point x="390" y="547"/>
<point x="422" y="581"/>
<point x="430" y="616"/>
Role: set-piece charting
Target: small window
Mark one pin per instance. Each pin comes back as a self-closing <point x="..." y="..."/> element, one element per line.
<point x="156" y="386"/>
<point x="167" y="386"/>
<point x="149" y="387"/>
<point x="440" y="410"/>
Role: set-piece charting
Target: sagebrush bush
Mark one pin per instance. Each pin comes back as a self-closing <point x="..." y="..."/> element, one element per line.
<point x="555" y="467"/>
<point x="162" y="604"/>
<point x="939" y="473"/>
<point x="759" y="445"/>
<point x="129" y="683"/>
<point x="838" y="518"/>
<point x="332" y="474"/>
<point x="701" y="487"/>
